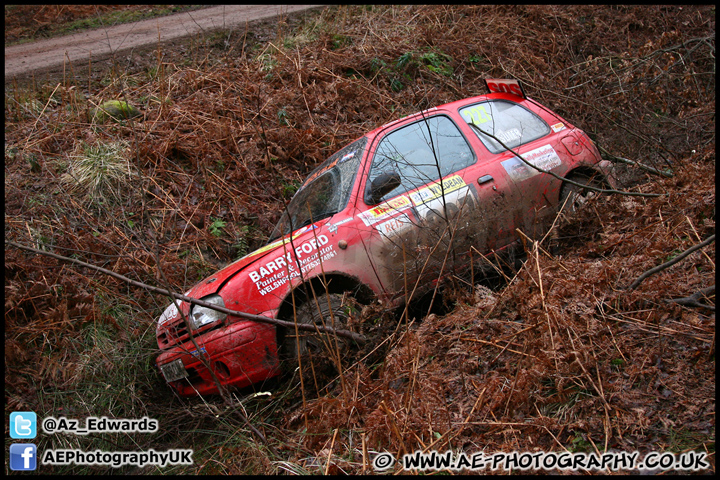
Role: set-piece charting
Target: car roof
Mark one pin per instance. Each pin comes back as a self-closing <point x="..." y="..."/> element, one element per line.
<point x="447" y="107"/>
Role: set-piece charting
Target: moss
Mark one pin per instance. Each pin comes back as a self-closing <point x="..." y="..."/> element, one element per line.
<point x="113" y="110"/>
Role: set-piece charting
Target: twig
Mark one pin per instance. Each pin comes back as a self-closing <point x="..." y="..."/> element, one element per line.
<point x="540" y="248"/>
<point x="692" y="300"/>
<point x="542" y="298"/>
<point x="699" y="238"/>
<point x="497" y="269"/>
<point x="332" y="444"/>
<point x="661" y="330"/>
<point x="470" y="339"/>
<point x="675" y="260"/>
<point x="462" y="425"/>
<point x="637" y="164"/>
<point x="257" y="318"/>
<point x="202" y="356"/>
<point x="393" y="424"/>
<point x="40" y="115"/>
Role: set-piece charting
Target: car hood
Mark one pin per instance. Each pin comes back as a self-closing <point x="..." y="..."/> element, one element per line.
<point x="213" y="283"/>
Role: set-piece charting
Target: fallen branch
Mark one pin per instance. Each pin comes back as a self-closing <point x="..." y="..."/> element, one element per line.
<point x="249" y="316"/>
<point x="675" y="260"/>
<point x="693" y="300"/>
<point x="637" y="164"/>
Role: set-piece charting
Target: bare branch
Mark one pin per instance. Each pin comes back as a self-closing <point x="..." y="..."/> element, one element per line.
<point x="637" y="164"/>
<point x="249" y="316"/>
<point x="693" y="300"/>
<point x="675" y="260"/>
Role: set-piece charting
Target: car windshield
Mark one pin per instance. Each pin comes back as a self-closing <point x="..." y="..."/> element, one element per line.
<point x="325" y="192"/>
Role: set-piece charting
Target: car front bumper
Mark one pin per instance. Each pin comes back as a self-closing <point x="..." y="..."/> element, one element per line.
<point x="240" y="354"/>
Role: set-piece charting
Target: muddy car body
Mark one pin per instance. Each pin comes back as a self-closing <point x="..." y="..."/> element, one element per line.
<point x="395" y="211"/>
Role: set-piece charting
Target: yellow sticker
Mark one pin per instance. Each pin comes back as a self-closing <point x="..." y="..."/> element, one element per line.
<point x="385" y="210"/>
<point x="434" y="191"/>
<point x="558" y="127"/>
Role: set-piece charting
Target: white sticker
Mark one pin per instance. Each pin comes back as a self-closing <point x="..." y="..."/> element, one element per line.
<point x="394" y="226"/>
<point x="332" y="227"/>
<point x="170" y="312"/>
<point x="452" y="203"/>
<point x="509" y="136"/>
<point x="385" y="210"/>
<point x="301" y="251"/>
<point x="435" y="190"/>
<point x="544" y="158"/>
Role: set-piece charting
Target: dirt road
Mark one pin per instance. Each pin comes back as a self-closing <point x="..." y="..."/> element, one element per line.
<point x="80" y="48"/>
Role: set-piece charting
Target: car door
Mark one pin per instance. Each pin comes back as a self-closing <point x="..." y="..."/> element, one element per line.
<point x="505" y="128"/>
<point x="421" y="229"/>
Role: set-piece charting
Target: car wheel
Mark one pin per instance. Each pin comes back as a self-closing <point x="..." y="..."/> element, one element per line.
<point x="573" y="197"/>
<point x="313" y="342"/>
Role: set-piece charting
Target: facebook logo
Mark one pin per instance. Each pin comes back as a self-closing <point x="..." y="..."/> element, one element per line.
<point x="23" y="456"/>
<point x="23" y="425"/>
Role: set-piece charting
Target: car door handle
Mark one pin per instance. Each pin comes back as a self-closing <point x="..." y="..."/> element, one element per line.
<point x="485" y="179"/>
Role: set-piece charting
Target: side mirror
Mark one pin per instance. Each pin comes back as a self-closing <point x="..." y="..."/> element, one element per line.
<point x="382" y="185"/>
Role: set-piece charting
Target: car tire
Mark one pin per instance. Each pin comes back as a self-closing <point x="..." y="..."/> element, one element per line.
<point x="318" y="343"/>
<point x="573" y="197"/>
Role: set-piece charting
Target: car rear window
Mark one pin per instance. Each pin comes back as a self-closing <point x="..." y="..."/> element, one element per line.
<point x="512" y="124"/>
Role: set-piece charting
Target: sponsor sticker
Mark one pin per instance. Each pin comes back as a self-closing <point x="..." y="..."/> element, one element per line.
<point x="544" y="157"/>
<point x="307" y="256"/>
<point x="394" y="226"/>
<point x="385" y="210"/>
<point x="509" y="136"/>
<point x="435" y="190"/>
<point x="558" y="127"/>
<point x="452" y="203"/>
<point x="332" y="227"/>
<point x="301" y="251"/>
<point x="170" y="312"/>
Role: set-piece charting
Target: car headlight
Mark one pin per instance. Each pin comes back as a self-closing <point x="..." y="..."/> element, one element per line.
<point x="200" y="315"/>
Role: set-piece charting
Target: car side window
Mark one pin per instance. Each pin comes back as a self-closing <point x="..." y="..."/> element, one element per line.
<point x="511" y="123"/>
<point x="421" y="153"/>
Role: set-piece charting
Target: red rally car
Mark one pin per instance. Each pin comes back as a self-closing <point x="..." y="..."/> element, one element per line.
<point x="393" y="212"/>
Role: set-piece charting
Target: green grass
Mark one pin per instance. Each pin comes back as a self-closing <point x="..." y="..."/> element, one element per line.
<point x="107" y="369"/>
<point x="683" y="439"/>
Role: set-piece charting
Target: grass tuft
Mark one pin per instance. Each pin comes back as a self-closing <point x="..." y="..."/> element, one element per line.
<point x="100" y="172"/>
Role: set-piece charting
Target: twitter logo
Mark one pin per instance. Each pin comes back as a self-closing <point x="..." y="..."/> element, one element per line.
<point x="23" y="425"/>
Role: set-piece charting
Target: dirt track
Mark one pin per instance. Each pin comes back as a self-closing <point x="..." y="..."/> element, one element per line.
<point x="93" y="45"/>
